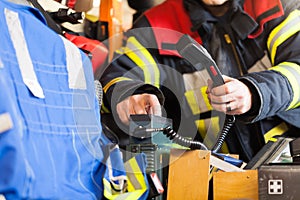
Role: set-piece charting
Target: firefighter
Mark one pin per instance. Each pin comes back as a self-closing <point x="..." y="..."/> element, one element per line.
<point x="254" y="43"/>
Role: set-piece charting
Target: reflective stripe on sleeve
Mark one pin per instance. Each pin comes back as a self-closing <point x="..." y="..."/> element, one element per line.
<point x="143" y="59"/>
<point x="292" y="72"/>
<point x="104" y="109"/>
<point x="282" y="32"/>
<point x="114" y="81"/>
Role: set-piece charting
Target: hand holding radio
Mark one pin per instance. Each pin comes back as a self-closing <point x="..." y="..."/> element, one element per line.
<point x="226" y="94"/>
<point x="138" y="104"/>
<point x="233" y="97"/>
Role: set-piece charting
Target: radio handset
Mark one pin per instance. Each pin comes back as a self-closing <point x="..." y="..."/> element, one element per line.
<point x="198" y="56"/>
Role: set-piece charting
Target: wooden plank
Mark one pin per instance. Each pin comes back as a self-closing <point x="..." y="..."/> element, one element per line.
<point x="235" y="185"/>
<point x="188" y="175"/>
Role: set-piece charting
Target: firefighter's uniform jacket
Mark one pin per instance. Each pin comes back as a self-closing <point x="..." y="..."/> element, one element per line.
<point x="256" y="42"/>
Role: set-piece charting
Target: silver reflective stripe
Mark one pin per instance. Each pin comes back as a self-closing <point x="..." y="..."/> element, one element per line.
<point x="23" y="57"/>
<point x="132" y="176"/>
<point x="76" y="75"/>
<point x="123" y="196"/>
<point x="194" y="82"/>
<point x="287" y="27"/>
<point x="292" y="73"/>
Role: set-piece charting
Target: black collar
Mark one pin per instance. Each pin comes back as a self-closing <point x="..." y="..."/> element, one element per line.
<point x="240" y="22"/>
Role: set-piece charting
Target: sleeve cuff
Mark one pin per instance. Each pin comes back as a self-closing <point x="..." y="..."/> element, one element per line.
<point x="256" y="102"/>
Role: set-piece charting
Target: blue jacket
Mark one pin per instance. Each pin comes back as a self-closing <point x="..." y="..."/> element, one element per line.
<point x="50" y="133"/>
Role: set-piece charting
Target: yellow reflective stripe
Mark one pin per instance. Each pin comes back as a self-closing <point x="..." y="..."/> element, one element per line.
<point x="115" y="80"/>
<point x="104" y="109"/>
<point x="215" y="130"/>
<point x="224" y="148"/>
<point x="121" y="196"/>
<point x="126" y="196"/>
<point x="277" y="130"/>
<point x="142" y="58"/>
<point x="107" y="189"/>
<point x="129" y="195"/>
<point x="209" y="129"/>
<point x="205" y="98"/>
<point x="292" y="72"/>
<point x="136" y="179"/>
<point x="109" y="192"/>
<point x="138" y="175"/>
<point x="282" y="32"/>
<point x="120" y="51"/>
<point x="193" y="102"/>
<point x="150" y="60"/>
<point x="136" y="183"/>
<point x="215" y="125"/>
<point x="190" y="97"/>
<point x="200" y="124"/>
<point x="204" y="128"/>
<point x="139" y="63"/>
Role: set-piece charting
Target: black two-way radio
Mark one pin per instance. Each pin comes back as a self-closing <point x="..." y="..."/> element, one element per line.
<point x="199" y="57"/>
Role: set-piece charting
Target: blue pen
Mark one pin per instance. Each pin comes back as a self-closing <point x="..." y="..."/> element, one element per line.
<point x="229" y="159"/>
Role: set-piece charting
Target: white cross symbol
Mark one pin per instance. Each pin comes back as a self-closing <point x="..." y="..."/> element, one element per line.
<point x="275" y="186"/>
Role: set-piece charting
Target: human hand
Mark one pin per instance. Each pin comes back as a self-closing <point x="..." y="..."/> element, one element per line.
<point x="233" y="98"/>
<point x="138" y="104"/>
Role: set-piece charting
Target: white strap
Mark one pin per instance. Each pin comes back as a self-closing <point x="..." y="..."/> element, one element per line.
<point x="23" y="56"/>
<point x="76" y="75"/>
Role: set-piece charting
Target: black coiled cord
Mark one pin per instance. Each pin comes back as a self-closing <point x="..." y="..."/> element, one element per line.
<point x="172" y="135"/>
<point x="229" y="121"/>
